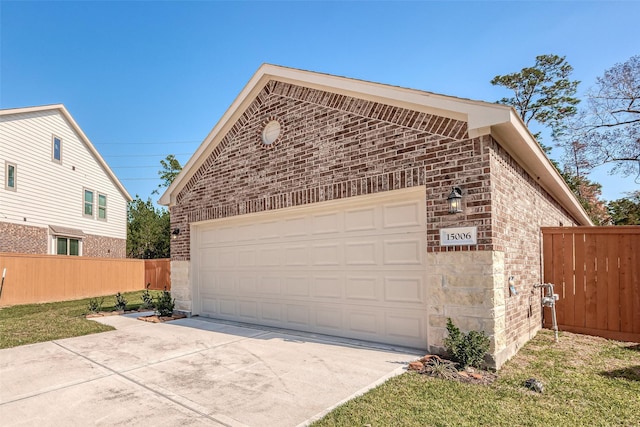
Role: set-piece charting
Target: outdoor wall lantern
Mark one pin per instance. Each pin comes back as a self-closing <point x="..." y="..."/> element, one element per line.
<point x="175" y="232"/>
<point x="455" y="200"/>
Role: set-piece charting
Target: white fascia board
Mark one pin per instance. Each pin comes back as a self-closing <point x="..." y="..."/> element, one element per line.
<point x="479" y="115"/>
<point x="78" y="130"/>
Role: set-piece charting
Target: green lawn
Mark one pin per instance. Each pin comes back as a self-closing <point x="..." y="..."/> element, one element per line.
<point x="589" y="381"/>
<point x="32" y="323"/>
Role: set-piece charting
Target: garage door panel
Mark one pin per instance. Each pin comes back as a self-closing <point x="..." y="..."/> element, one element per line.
<point x="326" y="254"/>
<point x="224" y="258"/>
<point x="327" y="286"/>
<point x="363" y="322"/>
<point x="246" y="257"/>
<point x="271" y="312"/>
<point x="268" y="256"/>
<point x="360" y="220"/>
<point x="266" y="230"/>
<point x="362" y="288"/>
<point x="406" y="214"/>
<point x="227" y="307"/>
<point x="247" y="284"/>
<point x="405" y="289"/>
<point x="209" y="305"/>
<point x="248" y="310"/>
<point x="297" y="286"/>
<point x="295" y="255"/>
<point x="296" y="227"/>
<point x="269" y="285"/>
<point x="297" y="315"/>
<point x="326" y="223"/>
<point x="403" y="252"/>
<point x="362" y="253"/>
<point x="353" y="268"/>
<point x="329" y="319"/>
<point x="405" y="326"/>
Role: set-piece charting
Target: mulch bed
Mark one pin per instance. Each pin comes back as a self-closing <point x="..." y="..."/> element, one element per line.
<point x="468" y="375"/>
<point x="158" y="319"/>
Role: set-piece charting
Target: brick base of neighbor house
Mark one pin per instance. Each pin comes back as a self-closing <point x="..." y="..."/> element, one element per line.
<point x="104" y="247"/>
<point x="26" y="239"/>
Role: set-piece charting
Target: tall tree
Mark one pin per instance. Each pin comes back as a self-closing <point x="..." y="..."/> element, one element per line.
<point x="607" y="131"/>
<point x="542" y="93"/>
<point x="171" y="167"/>
<point x="626" y="211"/>
<point x="148" y="230"/>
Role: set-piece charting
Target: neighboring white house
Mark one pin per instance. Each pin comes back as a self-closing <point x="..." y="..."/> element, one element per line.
<point x="59" y="195"/>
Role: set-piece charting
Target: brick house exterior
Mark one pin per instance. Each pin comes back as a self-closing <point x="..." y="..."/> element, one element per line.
<point x="341" y="138"/>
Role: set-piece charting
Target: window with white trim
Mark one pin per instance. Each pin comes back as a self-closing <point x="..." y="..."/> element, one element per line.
<point x="87" y="209"/>
<point x="102" y="206"/>
<point x="56" y="149"/>
<point x="67" y="246"/>
<point x="10" y="176"/>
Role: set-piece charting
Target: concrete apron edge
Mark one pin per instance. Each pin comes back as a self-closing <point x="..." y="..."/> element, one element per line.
<point x="398" y="371"/>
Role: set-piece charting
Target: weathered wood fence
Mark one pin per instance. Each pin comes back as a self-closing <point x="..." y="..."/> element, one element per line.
<point x="47" y="278"/>
<point x="596" y="273"/>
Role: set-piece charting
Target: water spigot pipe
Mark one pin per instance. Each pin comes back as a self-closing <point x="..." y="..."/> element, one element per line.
<point x="549" y="300"/>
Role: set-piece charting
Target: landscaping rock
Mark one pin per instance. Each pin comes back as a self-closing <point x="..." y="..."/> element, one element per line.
<point x="534" y="385"/>
<point x="416" y="366"/>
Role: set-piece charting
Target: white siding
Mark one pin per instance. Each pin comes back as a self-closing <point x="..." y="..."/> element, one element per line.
<point x="51" y="193"/>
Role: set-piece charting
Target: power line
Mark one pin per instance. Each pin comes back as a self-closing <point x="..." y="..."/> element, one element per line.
<point x="146" y="143"/>
<point x="146" y="155"/>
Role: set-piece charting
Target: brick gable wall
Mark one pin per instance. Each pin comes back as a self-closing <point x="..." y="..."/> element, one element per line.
<point x="334" y="146"/>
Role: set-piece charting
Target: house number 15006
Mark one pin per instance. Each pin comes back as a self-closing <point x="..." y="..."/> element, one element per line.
<point x="459" y="236"/>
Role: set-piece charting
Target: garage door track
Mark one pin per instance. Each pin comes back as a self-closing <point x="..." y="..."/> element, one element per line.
<point x="187" y="372"/>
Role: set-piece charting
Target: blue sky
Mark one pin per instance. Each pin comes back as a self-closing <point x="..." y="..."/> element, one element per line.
<point x="145" y="79"/>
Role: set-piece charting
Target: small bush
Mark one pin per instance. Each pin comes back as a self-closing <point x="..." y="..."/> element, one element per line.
<point x="165" y="304"/>
<point x="147" y="299"/>
<point x="121" y="302"/>
<point x="466" y="349"/>
<point x="95" y="305"/>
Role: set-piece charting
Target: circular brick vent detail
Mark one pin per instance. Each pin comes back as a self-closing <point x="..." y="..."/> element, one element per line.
<point x="271" y="132"/>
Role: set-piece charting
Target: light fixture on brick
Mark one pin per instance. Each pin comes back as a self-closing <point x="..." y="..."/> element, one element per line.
<point x="175" y="232"/>
<point x="455" y="200"/>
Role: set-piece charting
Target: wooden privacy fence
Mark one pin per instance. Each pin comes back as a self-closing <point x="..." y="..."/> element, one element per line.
<point x="596" y="273"/>
<point x="157" y="273"/>
<point x="47" y="278"/>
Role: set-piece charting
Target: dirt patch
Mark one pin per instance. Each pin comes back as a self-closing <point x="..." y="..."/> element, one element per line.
<point x="159" y="319"/>
<point x="435" y="366"/>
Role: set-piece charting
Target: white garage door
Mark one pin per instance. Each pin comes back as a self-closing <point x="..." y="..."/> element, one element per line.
<point x="353" y="268"/>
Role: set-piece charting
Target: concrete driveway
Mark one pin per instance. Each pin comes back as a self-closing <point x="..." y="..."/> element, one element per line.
<point x="187" y="372"/>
